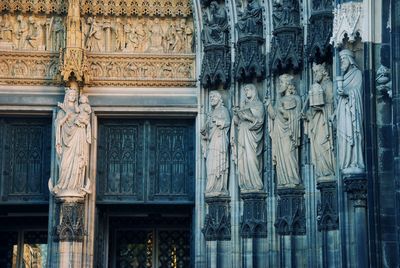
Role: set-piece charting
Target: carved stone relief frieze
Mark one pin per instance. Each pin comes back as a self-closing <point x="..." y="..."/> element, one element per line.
<point x="140" y="70"/>
<point x="41" y="68"/>
<point x="138" y="35"/>
<point x="31" y="32"/>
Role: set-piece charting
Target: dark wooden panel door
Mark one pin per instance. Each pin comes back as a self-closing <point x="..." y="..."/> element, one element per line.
<point x="145" y="160"/>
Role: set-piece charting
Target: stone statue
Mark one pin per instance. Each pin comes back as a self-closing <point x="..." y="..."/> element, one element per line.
<point x="216" y="27"/>
<point x="284" y="129"/>
<point x="249" y="119"/>
<point x="95" y="35"/>
<point x="349" y="116"/>
<point x="73" y="136"/>
<point x="215" y="147"/>
<point x="383" y="74"/>
<point x="22" y="32"/>
<point x="156" y="36"/>
<point x="119" y="35"/>
<point x="250" y="20"/>
<point x="57" y="30"/>
<point x="317" y="125"/>
<point x="6" y="29"/>
<point x="34" y="38"/>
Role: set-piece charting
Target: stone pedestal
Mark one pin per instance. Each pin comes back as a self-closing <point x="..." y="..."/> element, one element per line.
<point x="217" y="225"/>
<point x="69" y="231"/>
<point x="328" y="218"/>
<point x="254" y="219"/>
<point x="291" y="218"/>
<point x="355" y="185"/>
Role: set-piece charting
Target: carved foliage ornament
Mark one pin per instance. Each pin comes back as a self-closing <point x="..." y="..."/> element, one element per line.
<point x="349" y="21"/>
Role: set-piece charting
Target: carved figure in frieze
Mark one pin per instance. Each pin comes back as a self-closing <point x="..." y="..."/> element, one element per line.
<point x="141" y="36"/>
<point x="73" y="136"/>
<point x="173" y="42"/>
<point x="34" y="39"/>
<point x="188" y="35"/>
<point x="57" y="33"/>
<point x="94" y="36"/>
<point x="317" y="124"/>
<point x="215" y="147"/>
<point x="119" y="35"/>
<point x="249" y="119"/>
<point x="22" y="32"/>
<point x="156" y="36"/>
<point x="215" y="26"/>
<point x="19" y="69"/>
<point x="6" y="28"/>
<point x="250" y="20"/>
<point x="349" y="116"/>
<point x="284" y="129"/>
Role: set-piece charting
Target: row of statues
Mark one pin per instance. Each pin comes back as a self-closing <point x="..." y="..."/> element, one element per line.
<point x="245" y="132"/>
<point x="41" y="33"/>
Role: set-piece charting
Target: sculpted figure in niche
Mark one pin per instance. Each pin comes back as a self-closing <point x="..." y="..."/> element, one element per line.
<point x="317" y="125"/>
<point x="249" y="119"/>
<point x="350" y="115"/>
<point x="73" y="136"/>
<point x="22" y="32"/>
<point x="215" y="147"/>
<point x="284" y="129"/>
<point x="250" y="20"/>
<point x="216" y="26"/>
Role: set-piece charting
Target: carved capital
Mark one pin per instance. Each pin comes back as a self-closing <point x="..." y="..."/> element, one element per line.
<point x="217" y="224"/>
<point x="216" y="66"/>
<point x="291" y="218"/>
<point x="254" y="219"/>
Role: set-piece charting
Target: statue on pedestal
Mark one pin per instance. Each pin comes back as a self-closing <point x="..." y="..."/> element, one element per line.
<point x="249" y="119"/>
<point x="284" y="129"/>
<point x="73" y="137"/>
<point x="215" y="147"/>
<point x="317" y="124"/>
<point x="349" y="116"/>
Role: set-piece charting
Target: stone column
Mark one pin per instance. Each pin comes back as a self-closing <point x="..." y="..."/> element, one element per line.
<point x="356" y="189"/>
<point x="69" y="232"/>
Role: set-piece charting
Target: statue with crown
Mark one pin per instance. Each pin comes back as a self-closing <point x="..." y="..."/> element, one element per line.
<point x="73" y="138"/>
